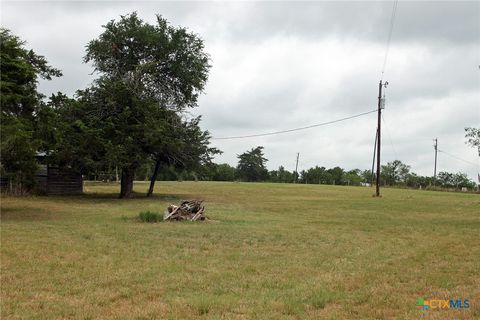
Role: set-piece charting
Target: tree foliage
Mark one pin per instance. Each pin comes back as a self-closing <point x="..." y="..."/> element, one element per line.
<point x="394" y="173"/>
<point x="281" y="175"/>
<point x="160" y="63"/>
<point x="473" y="137"/>
<point x="149" y="75"/>
<point x="454" y="180"/>
<point x="20" y="70"/>
<point x="251" y="165"/>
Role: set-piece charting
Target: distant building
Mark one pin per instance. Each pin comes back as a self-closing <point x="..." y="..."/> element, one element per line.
<point x="54" y="180"/>
<point x="50" y="179"/>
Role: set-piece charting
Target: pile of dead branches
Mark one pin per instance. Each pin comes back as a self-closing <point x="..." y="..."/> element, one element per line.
<point x="191" y="210"/>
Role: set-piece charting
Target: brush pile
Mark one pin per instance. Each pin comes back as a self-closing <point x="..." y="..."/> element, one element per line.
<point x="191" y="210"/>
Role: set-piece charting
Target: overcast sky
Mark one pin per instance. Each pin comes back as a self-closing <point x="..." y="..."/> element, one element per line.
<point x="282" y="65"/>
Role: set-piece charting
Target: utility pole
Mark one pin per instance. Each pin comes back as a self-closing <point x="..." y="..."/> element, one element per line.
<point x="296" y="169"/>
<point x="379" y="135"/>
<point x="435" y="146"/>
<point x="373" y="161"/>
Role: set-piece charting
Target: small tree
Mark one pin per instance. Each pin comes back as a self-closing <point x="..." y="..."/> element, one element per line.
<point x="251" y="165"/>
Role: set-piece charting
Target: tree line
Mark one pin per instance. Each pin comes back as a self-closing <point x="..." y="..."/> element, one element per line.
<point x="251" y="167"/>
<point x="132" y="122"/>
<point x="134" y="113"/>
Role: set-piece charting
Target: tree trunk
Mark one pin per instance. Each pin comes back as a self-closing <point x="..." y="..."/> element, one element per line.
<point x="153" y="178"/>
<point x="126" y="185"/>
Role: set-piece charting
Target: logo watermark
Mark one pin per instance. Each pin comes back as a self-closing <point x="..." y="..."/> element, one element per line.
<point x="439" y="304"/>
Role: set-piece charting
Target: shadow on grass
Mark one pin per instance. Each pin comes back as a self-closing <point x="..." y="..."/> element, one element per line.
<point x="113" y="196"/>
<point x="24" y="214"/>
<point x="19" y="212"/>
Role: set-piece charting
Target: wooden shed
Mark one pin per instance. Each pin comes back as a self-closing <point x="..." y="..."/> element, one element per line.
<point x="53" y="180"/>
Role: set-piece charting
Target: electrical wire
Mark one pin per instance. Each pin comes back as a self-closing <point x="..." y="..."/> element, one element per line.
<point x="295" y="129"/>
<point x="455" y="157"/>
<point x="392" y="22"/>
<point x="389" y="137"/>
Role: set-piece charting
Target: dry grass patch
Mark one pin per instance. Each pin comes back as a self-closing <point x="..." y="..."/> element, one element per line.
<point x="277" y="251"/>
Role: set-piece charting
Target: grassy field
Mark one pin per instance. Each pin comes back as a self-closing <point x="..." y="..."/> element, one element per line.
<point x="273" y="251"/>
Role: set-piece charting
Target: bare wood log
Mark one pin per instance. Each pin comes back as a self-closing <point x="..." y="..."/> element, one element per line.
<point x="187" y="210"/>
<point x="171" y="213"/>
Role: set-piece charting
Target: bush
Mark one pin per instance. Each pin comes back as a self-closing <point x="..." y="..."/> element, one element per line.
<point x="149" y="216"/>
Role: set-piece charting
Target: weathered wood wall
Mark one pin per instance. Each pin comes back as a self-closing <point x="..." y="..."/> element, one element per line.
<point x="41" y="180"/>
<point x="52" y="180"/>
<point x="63" y="182"/>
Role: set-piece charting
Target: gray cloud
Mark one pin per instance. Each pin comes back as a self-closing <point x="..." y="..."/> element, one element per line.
<point x="280" y="65"/>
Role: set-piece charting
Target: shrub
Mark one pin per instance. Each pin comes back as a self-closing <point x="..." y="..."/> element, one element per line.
<point x="149" y="216"/>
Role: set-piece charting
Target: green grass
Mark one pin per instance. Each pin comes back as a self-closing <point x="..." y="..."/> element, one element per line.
<point x="272" y="251"/>
<point x="149" y="216"/>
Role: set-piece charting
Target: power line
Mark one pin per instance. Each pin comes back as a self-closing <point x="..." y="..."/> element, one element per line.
<point x="390" y="138"/>
<point x="455" y="157"/>
<point x="295" y="129"/>
<point x="392" y="22"/>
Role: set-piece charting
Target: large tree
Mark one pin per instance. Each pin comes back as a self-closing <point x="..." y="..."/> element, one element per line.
<point x="20" y="71"/>
<point x="146" y="71"/>
<point x="183" y="145"/>
<point x="251" y="165"/>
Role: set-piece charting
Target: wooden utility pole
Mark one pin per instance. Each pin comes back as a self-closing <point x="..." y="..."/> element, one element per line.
<point x="379" y="135"/>
<point x="435" y="146"/>
<point x="373" y="161"/>
<point x="296" y="169"/>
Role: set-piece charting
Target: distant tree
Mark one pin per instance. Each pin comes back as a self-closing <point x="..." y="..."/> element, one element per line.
<point x="221" y="172"/>
<point x="445" y="179"/>
<point x="461" y="180"/>
<point x="20" y="70"/>
<point x="366" y="176"/>
<point x="337" y="175"/>
<point x="353" y="177"/>
<point x="473" y="138"/>
<point x="394" y="173"/>
<point x="454" y="180"/>
<point x="281" y="175"/>
<point x="168" y="173"/>
<point x="412" y="180"/>
<point x="146" y="71"/>
<point x="285" y="176"/>
<point x="251" y="165"/>
<point x="303" y="178"/>
<point x="316" y="175"/>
